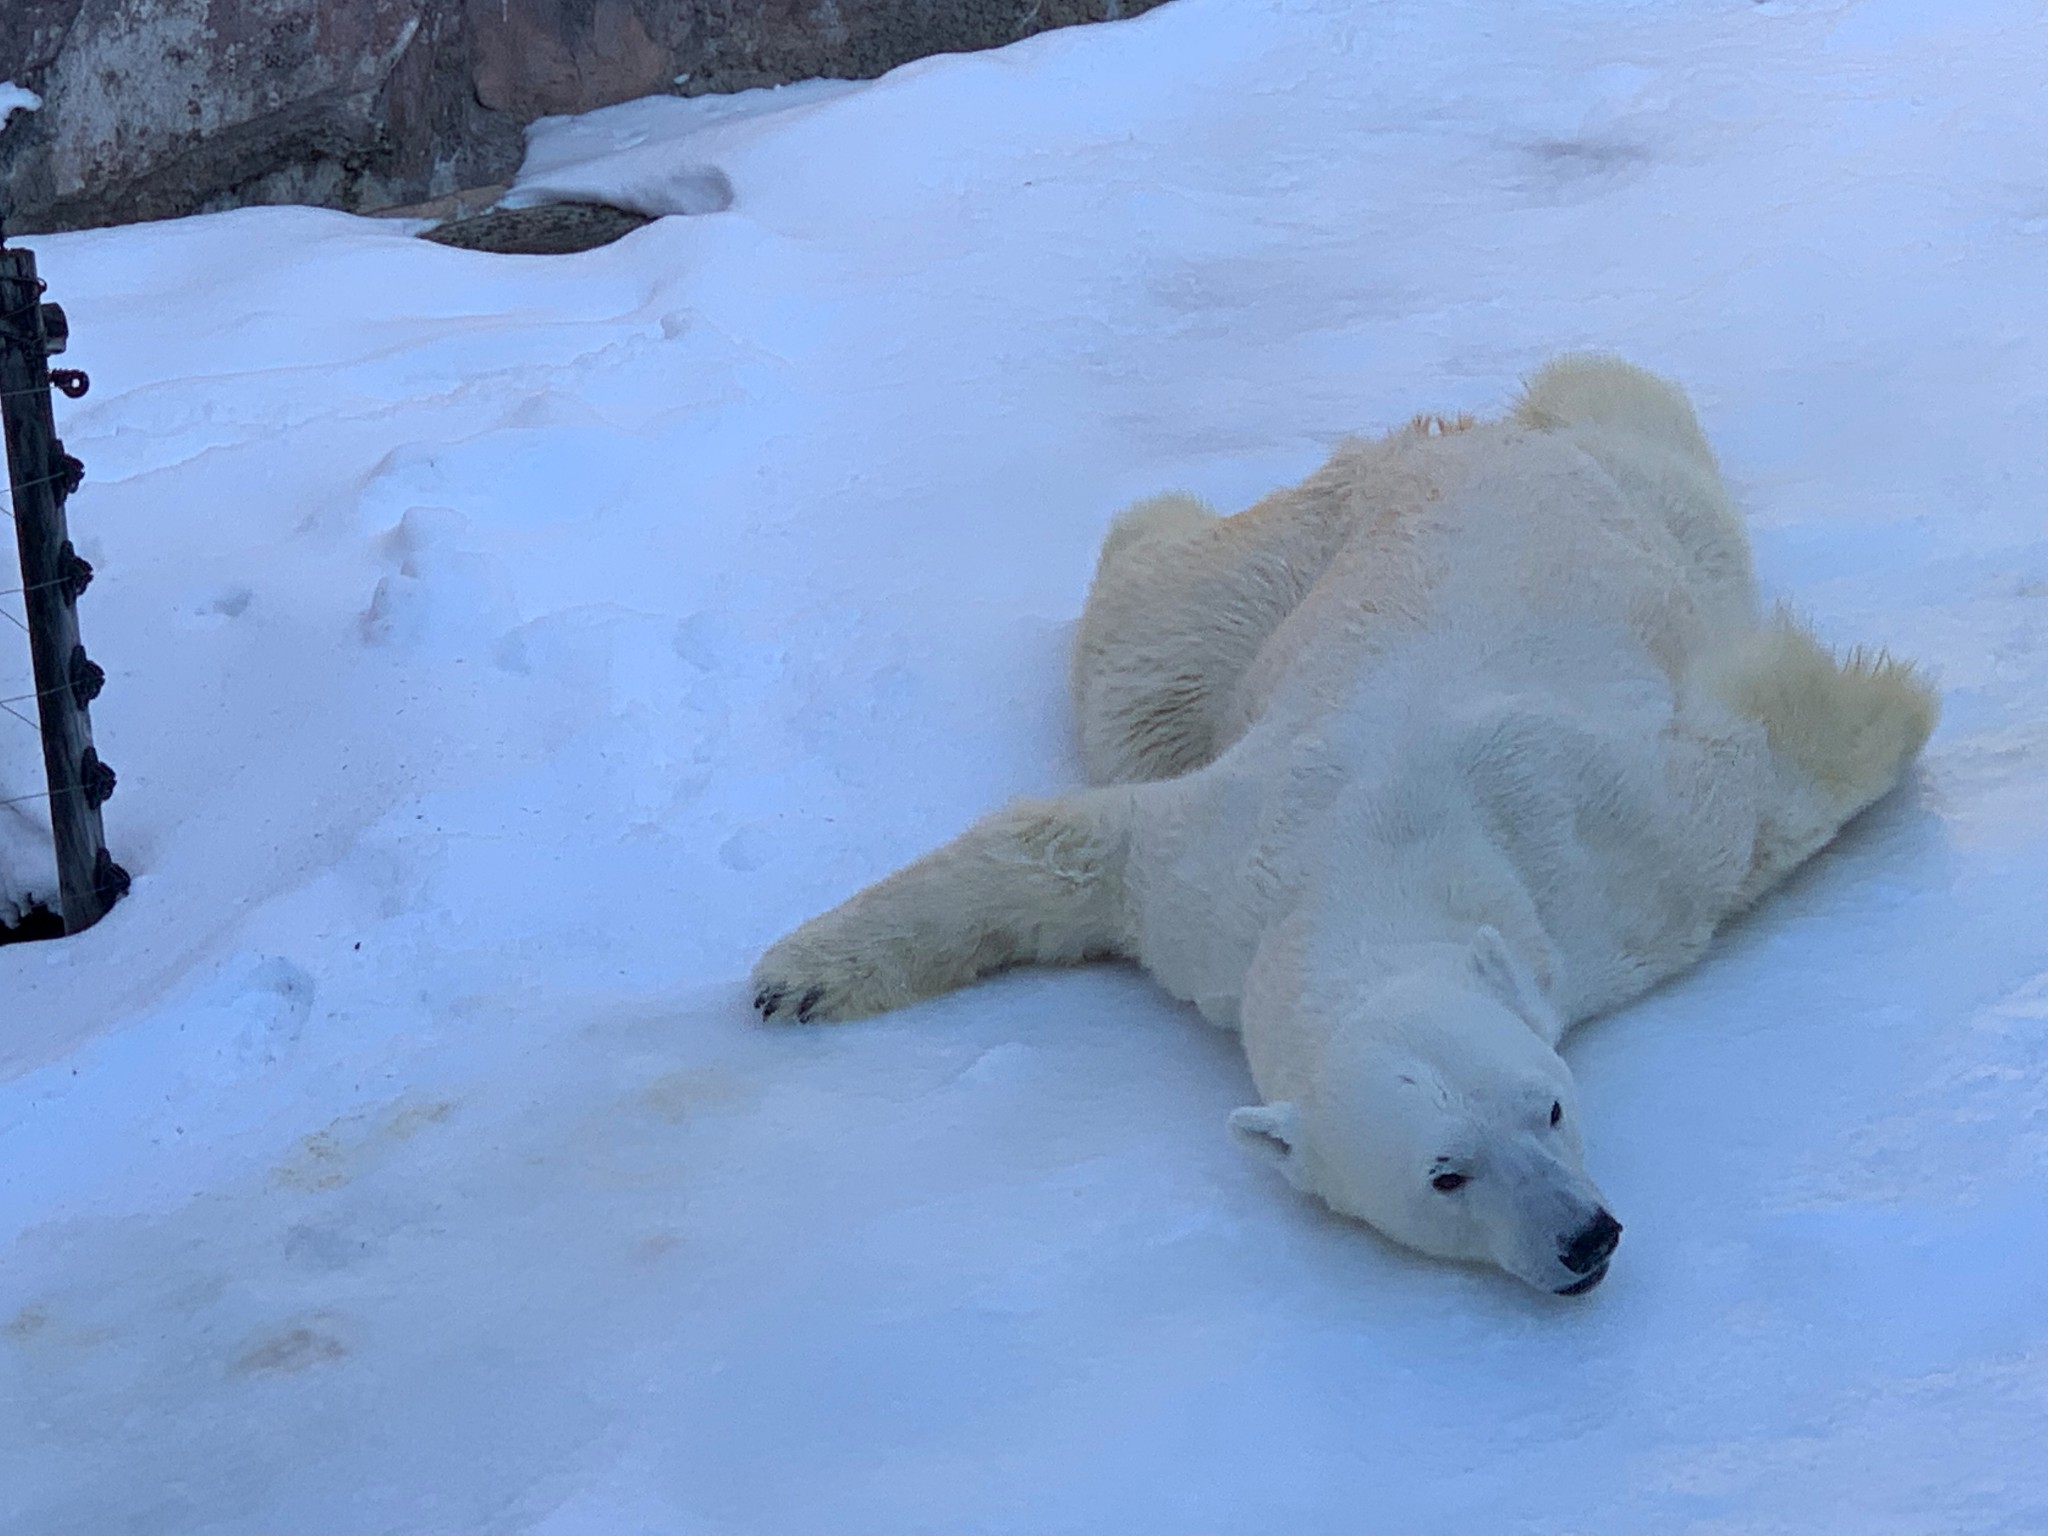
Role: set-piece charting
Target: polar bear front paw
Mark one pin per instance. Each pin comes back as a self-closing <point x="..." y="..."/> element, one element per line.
<point x="769" y="1001"/>
<point x="813" y="982"/>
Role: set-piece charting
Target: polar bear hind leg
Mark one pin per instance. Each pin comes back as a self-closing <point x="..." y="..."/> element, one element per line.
<point x="1841" y="732"/>
<point x="1641" y="429"/>
<point x="1145" y="688"/>
<point x="1594" y="389"/>
<point x="1181" y="603"/>
<point x="1038" y="882"/>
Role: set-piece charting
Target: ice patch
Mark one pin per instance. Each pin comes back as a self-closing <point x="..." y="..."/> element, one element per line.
<point x="749" y="848"/>
<point x="658" y="155"/>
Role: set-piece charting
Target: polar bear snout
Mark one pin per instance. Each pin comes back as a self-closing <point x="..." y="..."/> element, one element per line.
<point x="1594" y="1243"/>
<point x="1588" y="1251"/>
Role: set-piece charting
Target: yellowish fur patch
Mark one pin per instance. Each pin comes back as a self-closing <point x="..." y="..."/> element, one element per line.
<point x="1850" y="724"/>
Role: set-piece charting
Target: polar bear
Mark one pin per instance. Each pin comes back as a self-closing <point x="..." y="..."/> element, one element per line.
<point x="1474" y="734"/>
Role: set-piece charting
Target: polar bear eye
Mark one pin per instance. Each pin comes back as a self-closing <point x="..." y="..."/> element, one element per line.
<point x="1556" y="1111"/>
<point x="1448" y="1182"/>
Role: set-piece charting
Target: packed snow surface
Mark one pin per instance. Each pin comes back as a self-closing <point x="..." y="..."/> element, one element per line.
<point x="502" y="650"/>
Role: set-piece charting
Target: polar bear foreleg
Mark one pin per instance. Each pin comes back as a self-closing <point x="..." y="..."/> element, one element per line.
<point x="1040" y="882"/>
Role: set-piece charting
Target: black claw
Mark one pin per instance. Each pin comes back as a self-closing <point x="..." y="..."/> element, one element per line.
<point x="809" y="1001"/>
<point x="767" y="1000"/>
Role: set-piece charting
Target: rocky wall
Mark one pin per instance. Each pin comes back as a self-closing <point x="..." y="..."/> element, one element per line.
<point x="157" y="108"/>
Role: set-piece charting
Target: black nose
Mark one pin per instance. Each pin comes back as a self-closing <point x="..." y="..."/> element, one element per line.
<point x="1596" y="1240"/>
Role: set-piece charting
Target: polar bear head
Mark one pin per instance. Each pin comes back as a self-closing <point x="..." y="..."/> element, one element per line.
<point x="1441" y="1114"/>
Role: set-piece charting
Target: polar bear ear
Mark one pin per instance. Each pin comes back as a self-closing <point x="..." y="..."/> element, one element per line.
<point x="1269" y="1131"/>
<point x="1497" y="966"/>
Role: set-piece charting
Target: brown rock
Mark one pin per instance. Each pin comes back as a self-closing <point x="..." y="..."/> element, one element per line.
<point x="538" y="58"/>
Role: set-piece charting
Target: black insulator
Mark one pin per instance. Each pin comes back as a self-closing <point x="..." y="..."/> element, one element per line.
<point x="88" y="677"/>
<point x="70" y="382"/>
<point x="74" y="572"/>
<point x="96" y="779"/>
<point x="110" y="881"/>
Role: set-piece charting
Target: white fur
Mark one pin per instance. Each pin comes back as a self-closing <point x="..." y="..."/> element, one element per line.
<point x="1474" y="734"/>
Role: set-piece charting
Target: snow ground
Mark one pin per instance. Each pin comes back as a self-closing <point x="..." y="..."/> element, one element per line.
<point x="502" y="650"/>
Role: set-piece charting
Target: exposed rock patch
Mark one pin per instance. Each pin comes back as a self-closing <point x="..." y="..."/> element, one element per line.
<point x="552" y="229"/>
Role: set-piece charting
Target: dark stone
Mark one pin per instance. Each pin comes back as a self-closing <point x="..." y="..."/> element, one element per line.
<point x="186" y="106"/>
<point x="552" y="229"/>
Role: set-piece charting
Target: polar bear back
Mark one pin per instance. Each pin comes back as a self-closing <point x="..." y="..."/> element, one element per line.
<point x="1486" y="531"/>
